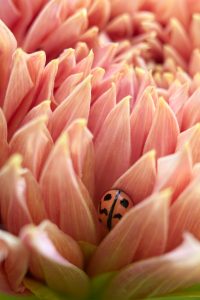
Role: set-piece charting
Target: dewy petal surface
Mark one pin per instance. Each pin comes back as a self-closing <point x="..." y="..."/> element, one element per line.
<point x="130" y="237"/>
<point x="57" y="271"/>
<point x="159" y="275"/>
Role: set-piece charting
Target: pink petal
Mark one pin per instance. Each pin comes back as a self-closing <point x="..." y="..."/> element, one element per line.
<point x="120" y="26"/>
<point x="46" y="22"/>
<point x="14" y="211"/>
<point x="113" y="138"/>
<point x="75" y="25"/>
<point x="141" y="175"/>
<point x="64" y="244"/>
<point x="58" y="273"/>
<point x="129" y="239"/>
<point x="67" y="87"/>
<point x="170" y="52"/>
<point x="99" y="13"/>
<point x="164" y="131"/>
<point x="8" y="45"/>
<point x="140" y="126"/>
<point x="160" y="275"/>
<point x="34" y="200"/>
<point x="125" y="86"/>
<point x="4" y="149"/>
<point x="184" y="214"/>
<point x="34" y="65"/>
<point x="12" y="251"/>
<point x="179" y="39"/>
<point x="81" y="51"/>
<point x="20" y="83"/>
<point x="67" y="62"/>
<point x="192" y="138"/>
<point x="177" y="100"/>
<point x="174" y="171"/>
<point x="101" y="108"/>
<point x="9" y="13"/>
<point x="73" y="210"/>
<point x="42" y="109"/>
<point x="104" y="55"/>
<point x="76" y="105"/>
<point x="46" y="84"/>
<point x="194" y="65"/>
<point x="194" y="30"/>
<point x="85" y="65"/>
<point x="191" y="114"/>
<point x="82" y="152"/>
<point x="33" y="141"/>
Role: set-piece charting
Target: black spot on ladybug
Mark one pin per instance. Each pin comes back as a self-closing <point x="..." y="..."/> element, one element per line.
<point x="107" y="197"/>
<point x="117" y="216"/>
<point x="103" y="211"/>
<point x="100" y="220"/>
<point x="124" y="203"/>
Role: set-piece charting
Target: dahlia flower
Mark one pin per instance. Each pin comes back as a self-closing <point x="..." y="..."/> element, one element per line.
<point x="99" y="148"/>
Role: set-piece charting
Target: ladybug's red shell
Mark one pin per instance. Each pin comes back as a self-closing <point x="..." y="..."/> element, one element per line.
<point x="113" y="205"/>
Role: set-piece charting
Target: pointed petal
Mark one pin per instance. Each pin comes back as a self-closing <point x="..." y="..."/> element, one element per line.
<point x="75" y="25"/>
<point x="67" y="87"/>
<point x="192" y="138"/>
<point x="99" y="13"/>
<point x="33" y="135"/>
<point x="113" y="138"/>
<point x="82" y="152"/>
<point x="184" y="214"/>
<point x="140" y="126"/>
<point x="4" y="149"/>
<point x="174" y="171"/>
<point x="194" y="30"/>
<point x="14" y="211"/>
<point x="35" y="64"/>
<point x="194" y="65"/>
<point x="67" y="62"/>
<point x="129" y="239"/>
<point x="40" y="110"/>
<point x="76" y="105"/>
<point x="85" y="65"/>
<point x="141" y="175"/>
<point x="72" y="211"/>
<point x="164" y="131"/>
<point x="13" y="251"/>
<point x="64" y="244"/>
<point x="104" y="55"/>
<point x="46" y="84"/>
<point x="57" y="272"/>
<point x="101" y="108"/>
<point x="191" y="113"/>
<point x="81" y="51"/>
<point x="160" y="275"/>
<point x="34" y="201"/>
<point x="120" y="26"/>
<point x="177" y="101"/>
<point x="179" y="39"/>
<point x="20" y="83"/>
<point x="46" y="22"/>
<point x="8" y="45"/>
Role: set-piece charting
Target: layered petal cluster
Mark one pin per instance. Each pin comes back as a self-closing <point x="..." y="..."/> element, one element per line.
<point x="98" y="96"/>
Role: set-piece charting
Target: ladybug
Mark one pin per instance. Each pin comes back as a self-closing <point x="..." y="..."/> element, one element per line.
<point x="112" y="207"/>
